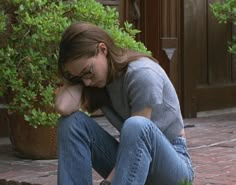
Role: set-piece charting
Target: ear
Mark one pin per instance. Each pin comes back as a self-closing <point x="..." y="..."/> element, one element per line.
<point x="102" y="48"/>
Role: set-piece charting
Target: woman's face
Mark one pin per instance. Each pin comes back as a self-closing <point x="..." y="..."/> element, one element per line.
<point x="92" y="71"/>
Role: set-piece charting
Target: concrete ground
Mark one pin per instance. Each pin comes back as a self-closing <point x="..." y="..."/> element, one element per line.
<point x="211" y="142"/>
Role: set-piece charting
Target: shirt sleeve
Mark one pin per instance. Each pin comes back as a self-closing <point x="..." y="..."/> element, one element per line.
<point x="144" y="88"/>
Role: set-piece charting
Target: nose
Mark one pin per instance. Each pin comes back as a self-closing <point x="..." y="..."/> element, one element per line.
<point x="87" y="82"/>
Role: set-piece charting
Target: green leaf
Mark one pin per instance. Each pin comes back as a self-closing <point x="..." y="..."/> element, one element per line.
<point x="29" y="62"/>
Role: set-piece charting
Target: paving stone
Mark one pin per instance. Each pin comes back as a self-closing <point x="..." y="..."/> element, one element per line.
<point x="211" y="143"/>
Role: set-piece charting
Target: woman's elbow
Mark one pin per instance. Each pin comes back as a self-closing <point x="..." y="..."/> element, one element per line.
<point x="63" y="110"/>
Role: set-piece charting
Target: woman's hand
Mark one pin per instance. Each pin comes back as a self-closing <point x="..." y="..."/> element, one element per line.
<point x="68" y="98"/>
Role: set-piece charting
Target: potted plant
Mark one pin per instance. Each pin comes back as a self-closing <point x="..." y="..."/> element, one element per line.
<point x="32" y="30"/>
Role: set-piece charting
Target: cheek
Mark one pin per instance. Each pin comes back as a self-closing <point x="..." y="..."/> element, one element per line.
<point x="102" y="75"/>
<point x="103" y="70"/>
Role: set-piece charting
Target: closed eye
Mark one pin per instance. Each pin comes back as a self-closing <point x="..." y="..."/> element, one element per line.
<point x="87" y="75"/>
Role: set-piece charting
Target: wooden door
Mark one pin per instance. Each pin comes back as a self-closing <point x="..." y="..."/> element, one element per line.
<point x="209" y="69"/>
<point x="201" y="68"/>
<point x="160" y="25"/>
<point x="190" y="45"/>
<point x="160" y="22"/>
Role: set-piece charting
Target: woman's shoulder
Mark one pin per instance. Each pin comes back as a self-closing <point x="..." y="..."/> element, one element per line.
<point x="144" y="63"/>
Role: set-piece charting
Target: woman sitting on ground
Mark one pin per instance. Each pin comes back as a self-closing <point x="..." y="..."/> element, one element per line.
<point x="136" y="96"/>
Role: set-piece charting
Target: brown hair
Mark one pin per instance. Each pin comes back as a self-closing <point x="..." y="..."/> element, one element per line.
<point x="81" y="40"/>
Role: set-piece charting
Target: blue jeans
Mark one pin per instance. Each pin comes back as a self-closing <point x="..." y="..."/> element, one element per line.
<point x="143" y="157"/>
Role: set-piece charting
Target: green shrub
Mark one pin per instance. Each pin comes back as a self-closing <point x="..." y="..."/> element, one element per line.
<point x="28" y="61"/>
<point x="2" y="21"/>
<point x="225" y="11"/>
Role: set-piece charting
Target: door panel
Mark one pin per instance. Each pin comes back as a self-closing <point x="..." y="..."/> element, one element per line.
<point x="218" y="56"/>
<point x="209" y="69"/>
<point x="160" y="25"/>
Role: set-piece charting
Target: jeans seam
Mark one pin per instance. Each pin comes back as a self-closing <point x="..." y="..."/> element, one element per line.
<point x="184" y="155"/>
<point x="138" y="156"/>
<point x="103" y="151"/>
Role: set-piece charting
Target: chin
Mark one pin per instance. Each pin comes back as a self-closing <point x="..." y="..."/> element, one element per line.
<point x="99" y="85"/>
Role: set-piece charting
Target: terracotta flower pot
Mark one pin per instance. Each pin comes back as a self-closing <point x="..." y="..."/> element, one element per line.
<point x="30" y="142"/>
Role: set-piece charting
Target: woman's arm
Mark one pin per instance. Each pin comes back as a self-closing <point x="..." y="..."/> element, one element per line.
<point x="68" y="98"/>
<point x="146" y="112"/>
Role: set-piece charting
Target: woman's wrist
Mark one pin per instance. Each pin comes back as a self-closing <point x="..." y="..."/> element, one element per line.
<point x="105" y="182"/>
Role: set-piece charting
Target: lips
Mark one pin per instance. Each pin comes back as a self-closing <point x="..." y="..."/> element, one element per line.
<point x="99" y="84"/>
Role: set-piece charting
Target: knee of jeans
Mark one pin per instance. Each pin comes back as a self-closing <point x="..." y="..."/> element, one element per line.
<point x="134" y="126"/>
<point x="68" y="124"/>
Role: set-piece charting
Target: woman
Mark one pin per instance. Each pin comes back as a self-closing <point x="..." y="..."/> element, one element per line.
<point x="136" y="96"/>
